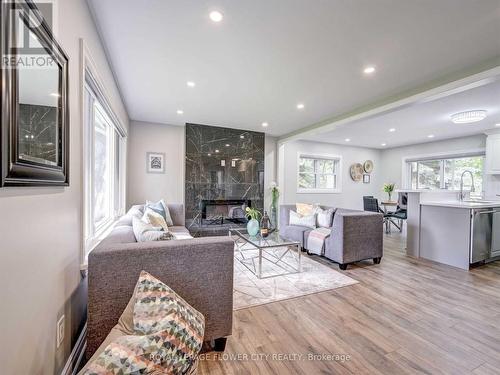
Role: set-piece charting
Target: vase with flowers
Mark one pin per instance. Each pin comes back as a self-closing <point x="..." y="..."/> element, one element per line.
<point x="275" y="194"/>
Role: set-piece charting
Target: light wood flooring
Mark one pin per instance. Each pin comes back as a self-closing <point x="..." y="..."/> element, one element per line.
<point x="406" y="316"/>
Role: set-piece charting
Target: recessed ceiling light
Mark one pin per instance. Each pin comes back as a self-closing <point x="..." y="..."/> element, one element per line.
<point x="216" y="16"/>
<point x="180" y="112"/>
<point x="497" y="125"/>
<point x="190" y="83"/>
<point x="468" y="116"/>
<point x="227" y="145"/>
<point x="209" y="154"/>
<point x="348" y="139"/>
<point x="216" y="151"/>
<point x="242" y="136"/>
<point x="55" y="94"/>
<point x="300" y="106"/>
<point x="383" y="144"/>
<point x="369" y="70"/>
<point x="265" y="124"/>
<point x="392" y="130"/>
<point x="430" y="136"/>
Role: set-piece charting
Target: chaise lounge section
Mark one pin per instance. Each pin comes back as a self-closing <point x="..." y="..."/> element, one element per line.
<point x="355" y="235"/>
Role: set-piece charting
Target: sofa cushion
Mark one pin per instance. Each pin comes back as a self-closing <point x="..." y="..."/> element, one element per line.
<point x="295" y="233"/>
<point x="304" y="209"/>
<point x="119" y="234"/>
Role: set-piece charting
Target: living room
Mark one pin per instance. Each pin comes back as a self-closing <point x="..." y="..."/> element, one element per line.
<point x="255" y="187"/>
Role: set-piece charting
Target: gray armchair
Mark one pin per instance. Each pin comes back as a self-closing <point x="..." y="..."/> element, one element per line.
<point x="355" y="236"/>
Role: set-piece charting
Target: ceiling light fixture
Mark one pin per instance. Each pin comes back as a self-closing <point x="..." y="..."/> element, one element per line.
<point x="369" y="70"/>
<point x="227" y="145"/>
<point x="55" y="94"/>
<point x="300" y="106"/>
<point x="468" y="116"/>
<point x="392" y="130"/>
<point x="216" y="16"/>
<point x="430" y="136"/>
<point x="190" y="84"/>
<point x="265" y="124"/>
<point x="216" y="151"/>
<point x="242" y="136"/>
<point x="348" y="139"/>
<point x="180" y="112"/>
<point x="497" y="125"/>
<point x="383" y="144"/>
<point x="209" y="154"/>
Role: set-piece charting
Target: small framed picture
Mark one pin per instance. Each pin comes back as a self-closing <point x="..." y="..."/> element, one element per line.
<point x="366" y="178"/>
<point x="155" y="162"/>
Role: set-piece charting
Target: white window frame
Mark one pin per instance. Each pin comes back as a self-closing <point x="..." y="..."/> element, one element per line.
<point x="89" y="78"/>
<point x="440" y="156"/>
<point x="337" y="159"/>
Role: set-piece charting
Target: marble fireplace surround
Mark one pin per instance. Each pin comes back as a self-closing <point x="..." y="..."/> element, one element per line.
<point x="222" y="164"/>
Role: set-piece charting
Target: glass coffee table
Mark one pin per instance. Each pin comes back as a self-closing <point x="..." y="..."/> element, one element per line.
<point x="280" y="256"/>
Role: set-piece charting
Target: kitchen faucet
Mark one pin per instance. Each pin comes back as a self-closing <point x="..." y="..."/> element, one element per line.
<point x="472" y="188"/>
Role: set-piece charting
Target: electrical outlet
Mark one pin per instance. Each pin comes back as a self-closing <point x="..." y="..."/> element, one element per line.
<point x="60" y="331"/>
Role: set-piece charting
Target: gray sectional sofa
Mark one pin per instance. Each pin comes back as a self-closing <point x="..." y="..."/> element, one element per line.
<point x="200" y="270"/>
<point x="355" y="235"/>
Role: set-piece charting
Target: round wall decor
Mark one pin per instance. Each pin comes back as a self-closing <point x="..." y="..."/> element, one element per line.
<point x="357" y="172"/>
<point x="368" y="166"/>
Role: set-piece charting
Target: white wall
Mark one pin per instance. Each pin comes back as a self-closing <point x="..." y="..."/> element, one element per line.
<point x="392" y="159"/>
<point x="41" y="233"/>
<point x="170" y="139"/>
<point x="352" y="192"/>
<point x="148" y="137"/>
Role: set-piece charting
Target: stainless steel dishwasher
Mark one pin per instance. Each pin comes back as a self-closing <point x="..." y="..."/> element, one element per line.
<point x="485" y="236"/>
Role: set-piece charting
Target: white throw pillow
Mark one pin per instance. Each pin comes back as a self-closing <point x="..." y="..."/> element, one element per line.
<point x="304" y="209"/>
<point x="155" y="219"/>
<point x="146" y="232"/>
<point x="325" y="217"/>
<point x="304" y="221"/>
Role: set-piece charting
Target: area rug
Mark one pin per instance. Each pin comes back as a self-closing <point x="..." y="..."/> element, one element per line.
<point x="250" y="291"/>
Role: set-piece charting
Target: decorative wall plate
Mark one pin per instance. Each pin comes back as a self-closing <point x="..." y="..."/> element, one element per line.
<point x="368" y="166"/>
<point x="357" y="172"/>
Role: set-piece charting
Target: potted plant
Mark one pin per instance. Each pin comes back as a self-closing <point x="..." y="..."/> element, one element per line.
<point x="253" y="223"/>
<point x="275" y="194"/>
<point x="389" y="189"/>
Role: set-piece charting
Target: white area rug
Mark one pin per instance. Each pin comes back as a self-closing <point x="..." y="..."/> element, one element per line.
<point x="252" y="291"/>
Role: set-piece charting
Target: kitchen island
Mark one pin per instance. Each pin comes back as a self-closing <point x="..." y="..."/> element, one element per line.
<point x="459" y="233"/>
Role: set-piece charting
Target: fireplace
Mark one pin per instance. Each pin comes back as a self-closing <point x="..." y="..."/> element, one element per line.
<point x="224" y="174"/>
<point x="221" y="211"/>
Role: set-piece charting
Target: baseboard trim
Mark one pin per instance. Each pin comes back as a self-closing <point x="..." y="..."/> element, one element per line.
<point x="76" y="355"/>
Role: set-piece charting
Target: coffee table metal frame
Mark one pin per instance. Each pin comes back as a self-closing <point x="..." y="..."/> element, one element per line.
<point x="267" y="249"/>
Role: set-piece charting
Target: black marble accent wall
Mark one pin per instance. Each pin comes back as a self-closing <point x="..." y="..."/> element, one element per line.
<point x="222" y="164"/>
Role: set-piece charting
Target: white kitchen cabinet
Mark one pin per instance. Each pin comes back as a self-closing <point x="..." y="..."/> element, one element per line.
<point x="493" y="154"/>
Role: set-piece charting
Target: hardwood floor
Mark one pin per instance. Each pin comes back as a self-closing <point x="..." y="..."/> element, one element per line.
<point x="406" y="316"/>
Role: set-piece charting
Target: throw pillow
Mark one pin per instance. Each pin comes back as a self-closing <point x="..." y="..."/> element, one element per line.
<point x="325" y="217"/>
<point x="155" y="219"/>
<point x="304" y="209"/>
<point x="305" y="221"/>
<point x="146" y="232"/>
<point x="162" y="208"/>
<point x="168" y="334"/>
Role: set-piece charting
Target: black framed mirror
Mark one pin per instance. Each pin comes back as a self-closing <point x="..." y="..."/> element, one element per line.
<point x="34" y="134"/>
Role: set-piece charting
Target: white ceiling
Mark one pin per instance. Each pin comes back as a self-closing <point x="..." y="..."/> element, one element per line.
<point x="415" y="123"/>
<point x="268" y="55"/>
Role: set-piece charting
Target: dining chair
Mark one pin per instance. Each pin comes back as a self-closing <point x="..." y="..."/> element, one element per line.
<point x="371" y="204"/>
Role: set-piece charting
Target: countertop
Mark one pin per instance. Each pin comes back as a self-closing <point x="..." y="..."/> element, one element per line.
<point x="466" y="205"/>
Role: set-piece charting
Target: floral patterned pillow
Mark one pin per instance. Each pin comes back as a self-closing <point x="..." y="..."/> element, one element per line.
<point x="168" y="335"/>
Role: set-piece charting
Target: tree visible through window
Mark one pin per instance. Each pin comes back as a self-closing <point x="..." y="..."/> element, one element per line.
<point x="317" y="173"/>
<point x="446" y="173"/>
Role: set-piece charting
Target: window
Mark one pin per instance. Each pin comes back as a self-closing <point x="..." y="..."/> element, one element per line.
<point x="319" y="174"/>
<point x="105" y="145"/>
<point x="445" y="173"/>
